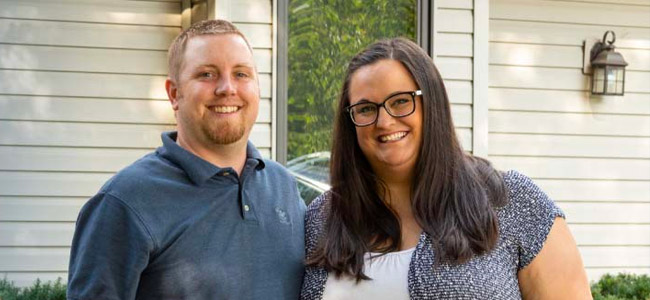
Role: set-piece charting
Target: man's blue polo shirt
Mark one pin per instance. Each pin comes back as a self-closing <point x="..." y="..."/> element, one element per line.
<point x="173" y="226"/>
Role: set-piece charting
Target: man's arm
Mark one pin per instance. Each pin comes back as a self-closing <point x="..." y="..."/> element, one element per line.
<point x="557" y="271"/>
<point x="110" y="249"/>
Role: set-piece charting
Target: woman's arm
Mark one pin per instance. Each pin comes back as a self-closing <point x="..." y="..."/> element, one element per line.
<point x="557" y="271"/>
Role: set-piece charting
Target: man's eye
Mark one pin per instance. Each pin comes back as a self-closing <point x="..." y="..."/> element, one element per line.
<point x="206" y="75"/>
<point x="242" y="75"/>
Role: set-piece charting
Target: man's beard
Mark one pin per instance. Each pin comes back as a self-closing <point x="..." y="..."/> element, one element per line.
<point x="224" y="134"/>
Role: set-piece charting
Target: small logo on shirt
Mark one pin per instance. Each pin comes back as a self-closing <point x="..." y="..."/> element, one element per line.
<point x="282" y="215"/>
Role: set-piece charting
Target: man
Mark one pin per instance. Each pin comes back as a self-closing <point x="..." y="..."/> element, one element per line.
<point x="204" y="216"/>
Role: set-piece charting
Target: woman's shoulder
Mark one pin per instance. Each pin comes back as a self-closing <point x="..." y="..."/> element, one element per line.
<point x="518" y="183"/>
<point x="315" y="219"/>
<point x="528" y="216"/>
<point x="525" y="196"/>
<point x="316" y="209"/>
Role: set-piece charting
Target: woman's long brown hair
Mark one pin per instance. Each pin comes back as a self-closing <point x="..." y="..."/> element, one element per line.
<point x="453" y="193"/>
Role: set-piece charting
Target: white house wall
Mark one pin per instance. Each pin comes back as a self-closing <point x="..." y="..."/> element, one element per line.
<point x="453" y="43"/>
<point x="591" y="154"/>
<point x="81" y="96"/>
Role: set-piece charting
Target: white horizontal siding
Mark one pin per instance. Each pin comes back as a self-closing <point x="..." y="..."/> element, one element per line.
<point x="52" y="58"/>
<point x="455" y="20"/>
<point x="34" y="259"/>
<point x="119" y="12"/>
<point x="453" y="58"/>
<point x="611" y="234"/>
<point x="459" y="91"/>
<point x="551" y="145"/>
<point x="50" y="184"/>
<point x="596" y="190"/>
<point x="36" y="234"/>
<point x="569" y="123"/>
<point x="247" y="11"/>
<point x="35" y="209"/>
<point x="514" y="31"/>
<point x="458" y="4"/>
<point x="590" y="154"/>
<point x="577" y="168"/>
<point x="642" y="3"/>
<point x="455" y="44"/>
<point x="616" y="256"/>
<point x="515" y="99"/>
<point x="98" y="35"/>
<point x="455" y="68"/>
<point x="465" y="137"/>
<point x="569" y="12"/>
<point x="625" y="213"/>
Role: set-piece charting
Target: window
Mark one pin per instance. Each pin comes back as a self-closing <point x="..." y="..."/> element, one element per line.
<point x="322" y="37"/>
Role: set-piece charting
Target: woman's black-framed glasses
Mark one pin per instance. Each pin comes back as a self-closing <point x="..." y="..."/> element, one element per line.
<point x="398" y="105"/>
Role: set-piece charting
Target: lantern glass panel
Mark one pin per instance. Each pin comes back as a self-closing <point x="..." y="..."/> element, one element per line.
<point x="619" y="74"/>
<point x="599" y="73"/>
<point x="610" y="82"/>
<point x="611" y="74"/>
<point x="619" y="87"/>
<point x="598" y="81"/>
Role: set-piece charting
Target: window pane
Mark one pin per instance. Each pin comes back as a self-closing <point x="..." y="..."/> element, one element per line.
<point x="323" y="37"/>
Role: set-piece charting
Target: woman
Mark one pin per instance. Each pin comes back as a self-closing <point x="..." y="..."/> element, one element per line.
<point x="411" y="216"/>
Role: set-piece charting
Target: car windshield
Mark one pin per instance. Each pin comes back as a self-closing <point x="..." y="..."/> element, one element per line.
<point x="312" y="174"/>
<point x="314" y="166"/>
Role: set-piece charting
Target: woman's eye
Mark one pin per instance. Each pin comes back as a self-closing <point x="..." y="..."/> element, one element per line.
<point x="364" y="109"/>
<point x="400" y="101"/>
<point x="242" y="75"/>
<point x="205" y="75"/>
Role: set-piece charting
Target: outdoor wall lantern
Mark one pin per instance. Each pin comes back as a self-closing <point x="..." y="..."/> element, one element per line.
<point x="608" y="67"/>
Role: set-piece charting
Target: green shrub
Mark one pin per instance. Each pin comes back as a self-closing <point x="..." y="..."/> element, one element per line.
<point x="622" y="286"/>
<point x="38" y="291"/>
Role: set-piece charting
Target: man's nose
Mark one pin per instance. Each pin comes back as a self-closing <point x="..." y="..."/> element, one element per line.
<point x="225" y="86"/>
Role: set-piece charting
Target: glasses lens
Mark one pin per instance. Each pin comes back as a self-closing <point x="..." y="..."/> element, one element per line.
<point x="400" y="105"/>
<point x="364" y="113"/>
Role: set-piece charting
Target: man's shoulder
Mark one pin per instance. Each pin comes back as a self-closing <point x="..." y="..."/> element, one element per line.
<point x="277" y="170"/>
<point x="143" y="174"/>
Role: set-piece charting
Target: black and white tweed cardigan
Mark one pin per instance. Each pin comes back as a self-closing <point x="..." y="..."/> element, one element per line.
<point x="524" y="224"/>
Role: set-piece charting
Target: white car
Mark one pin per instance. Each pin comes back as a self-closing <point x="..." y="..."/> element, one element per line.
<point x="312" y="174"/>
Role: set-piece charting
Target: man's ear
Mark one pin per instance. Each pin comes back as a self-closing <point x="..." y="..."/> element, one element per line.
<point x="172" y="93"/>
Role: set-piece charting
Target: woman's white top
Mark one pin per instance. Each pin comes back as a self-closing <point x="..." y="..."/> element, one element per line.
<point x="389" y="274"/>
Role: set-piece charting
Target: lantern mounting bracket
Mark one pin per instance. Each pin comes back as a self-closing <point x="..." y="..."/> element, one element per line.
<point x="592" y="47"/>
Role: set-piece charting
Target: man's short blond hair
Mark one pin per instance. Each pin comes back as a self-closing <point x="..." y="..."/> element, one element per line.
<point x="206" y="27"/>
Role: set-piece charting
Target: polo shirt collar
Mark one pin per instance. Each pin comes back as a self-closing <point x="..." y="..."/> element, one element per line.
<point x="198" y="169"/>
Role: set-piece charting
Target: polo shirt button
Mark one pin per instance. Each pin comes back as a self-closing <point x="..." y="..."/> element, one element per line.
<point x="225" y="174"/>
<point x="246" y="208"/>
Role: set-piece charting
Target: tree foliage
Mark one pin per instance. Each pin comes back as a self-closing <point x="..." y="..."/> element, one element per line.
<point x="323" y="36"/>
